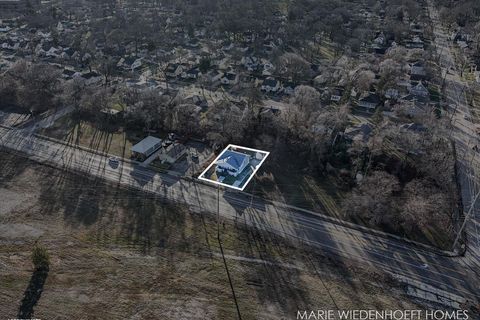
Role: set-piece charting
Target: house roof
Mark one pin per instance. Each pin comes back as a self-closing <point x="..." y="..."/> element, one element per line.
<point x="414" y="127"/>
<point x="172" y="67"/>
<point x="176" y="149"/>
<point x="146" y="144"/>
<point x="232" y="158"/>
<point x="230" y="76"/>
<point x="417" y="69"/>
<point x="270" y="82"/>
<point x="194" y="70"/>
<point x="371" y="98"/>
<point x="359" y="132"/>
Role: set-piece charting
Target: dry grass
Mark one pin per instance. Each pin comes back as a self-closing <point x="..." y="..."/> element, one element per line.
<point x="84" y="133"/>
<point x="119" y="254"/>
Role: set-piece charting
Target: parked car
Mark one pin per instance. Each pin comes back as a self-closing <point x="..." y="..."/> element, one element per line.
<point x="113" y="162"/>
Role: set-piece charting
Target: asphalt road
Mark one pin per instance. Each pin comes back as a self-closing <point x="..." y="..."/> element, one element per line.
<point x="465" y="138"/>
<point x="451" y="277"/>
<point x="397" y="257"/>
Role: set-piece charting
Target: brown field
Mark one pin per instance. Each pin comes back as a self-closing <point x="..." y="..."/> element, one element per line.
<point x="120" y="254"/>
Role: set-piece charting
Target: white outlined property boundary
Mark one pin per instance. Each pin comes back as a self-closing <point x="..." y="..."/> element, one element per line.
<point x="200" y="177"/>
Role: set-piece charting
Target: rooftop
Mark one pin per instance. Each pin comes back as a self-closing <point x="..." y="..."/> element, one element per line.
<point x="146" y="144"/>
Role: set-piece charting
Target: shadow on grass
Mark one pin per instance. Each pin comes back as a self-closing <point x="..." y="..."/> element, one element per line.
<point x="33" y="293"/>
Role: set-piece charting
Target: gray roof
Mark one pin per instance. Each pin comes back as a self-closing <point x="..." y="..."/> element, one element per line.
<point x="233" y="158"/>
<point x="147" y="144"/>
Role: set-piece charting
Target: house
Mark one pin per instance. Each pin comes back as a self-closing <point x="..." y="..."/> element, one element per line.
<point x="232" y="162"/>
<point x="419" y="90"/>
<point x="337" y="94"/>
<point x="416" y="28"/>
<point x="250" y="63"/>
<point x="198" y="101"/>
<point x="172" y="153"/>
<point x="215" y="76"/>
<point x="360" y="132"/>
<point x="267" y="68"/>
<point x="136" y="64"/>
<point x="145" y="148"/>
<point x="67" y="74"/>
<point x="173" y="70"/>
<point x="369" y="102"/>
<point x="192" y="73"/>
<point x="289" y="88"/>
<point x="111" y="114"/>
<point x="417" y="71"/>
<point x="90" y="77"/>
<point x="270" y="85"/>
<point x="229" y="78"/>
<point x="392" y="93"/>
<point x="415" y="43"/>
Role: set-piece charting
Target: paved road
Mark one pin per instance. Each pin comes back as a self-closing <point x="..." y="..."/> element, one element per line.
<point x="456" y="275"/>
<point x="465" y="138"/>
<point x="397" y="257"/>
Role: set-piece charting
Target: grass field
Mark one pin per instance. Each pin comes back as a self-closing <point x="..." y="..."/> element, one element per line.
<point x="120" y="254"/>
<point x="84" y="133"/>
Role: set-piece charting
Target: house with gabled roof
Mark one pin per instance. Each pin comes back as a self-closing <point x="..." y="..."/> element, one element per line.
<point x="417" y="71"/>
<point x="173" y="70"/>
<point x="232" y="162"/>
<point x="229" y="78"/>
<point x="369" y="102"/>
<point x="270" y="85"/>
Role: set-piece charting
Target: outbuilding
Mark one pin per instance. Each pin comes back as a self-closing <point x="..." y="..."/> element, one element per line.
<point x="146" y="148"/>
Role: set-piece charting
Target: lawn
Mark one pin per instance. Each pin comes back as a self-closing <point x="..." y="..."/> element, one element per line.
<point x="113" y="140"/>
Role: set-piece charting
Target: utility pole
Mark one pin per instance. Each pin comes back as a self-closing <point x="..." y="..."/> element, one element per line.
<point x="218" y="213"/>
<point x="253" y="190"/>
<point x="223" y="255"/>
<point x="472" y="206"/>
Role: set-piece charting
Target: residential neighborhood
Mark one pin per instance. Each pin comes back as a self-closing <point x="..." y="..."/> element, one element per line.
<point x="257" y="159"/>
<point x="234" y="167"/>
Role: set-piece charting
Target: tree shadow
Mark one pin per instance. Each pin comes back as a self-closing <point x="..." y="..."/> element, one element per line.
<point x="33" y="293"/>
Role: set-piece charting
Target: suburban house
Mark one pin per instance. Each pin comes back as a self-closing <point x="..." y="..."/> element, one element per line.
<point x="337" y="94"/>
<point x="192" y="73"/>
<point x="215" y="76"/>
<point x="91" y="77"/>
<point x="419" y="90"/>
<point x="417" y="71"/>
<point x="229" y="78"/>
<point x="232" y="162"/>
<point x="250" y="63"/>
<point x="173" y="70"/>
<point x="289" y="88"/>
<point x="392" y="93"/>
<point x="415" y="43"/>
<point x="369" y="103"/>
<point x="270" y="85"/>
<point x="359" y="132"/>
<point x="146" y="148"/>
<point x="172" y="153"/>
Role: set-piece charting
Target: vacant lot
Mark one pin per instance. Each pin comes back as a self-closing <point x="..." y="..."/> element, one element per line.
<point x="120" y="254"/>
<point x="113" y="140"/>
